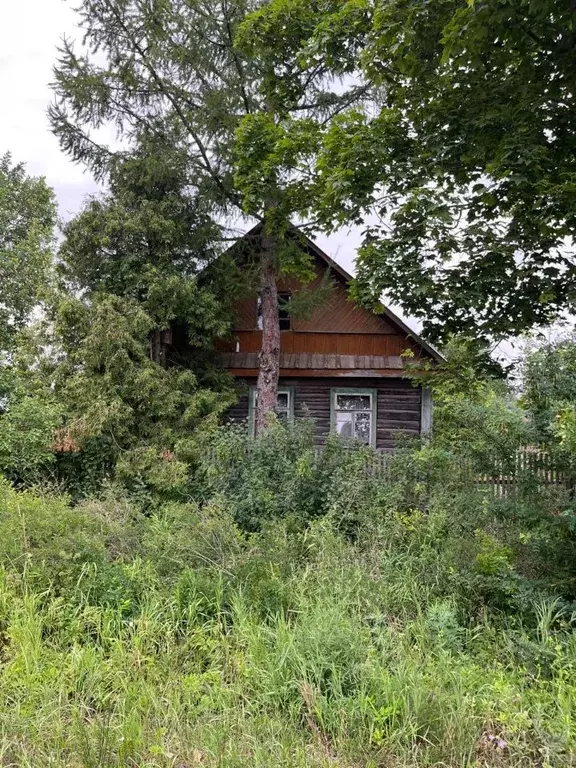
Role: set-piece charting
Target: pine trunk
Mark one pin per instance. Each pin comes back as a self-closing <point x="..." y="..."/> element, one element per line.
<point x="269" y="358"/>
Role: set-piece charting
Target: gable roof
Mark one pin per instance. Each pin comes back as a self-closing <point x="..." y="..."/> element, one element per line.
<point x="392" y="318"/>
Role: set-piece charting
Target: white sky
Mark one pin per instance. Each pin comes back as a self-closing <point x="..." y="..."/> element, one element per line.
<point x="30" y="31"/>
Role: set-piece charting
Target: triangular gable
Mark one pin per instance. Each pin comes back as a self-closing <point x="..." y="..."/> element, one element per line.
<point x="340" y="314"/>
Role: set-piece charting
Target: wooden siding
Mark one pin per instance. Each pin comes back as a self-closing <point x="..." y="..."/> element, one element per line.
<point x="245" y="318"/>
<point x="291" y="373"/>
<point x="293" y="342"/>
<point x="398" y="405"/>
<point x="303" y="361"/>
<point x="239" y="411"/>
<point x="337" y="315"/>
<point x="337" y="327"/>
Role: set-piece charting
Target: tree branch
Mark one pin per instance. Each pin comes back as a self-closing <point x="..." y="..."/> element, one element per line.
<point x="177" y="108"/>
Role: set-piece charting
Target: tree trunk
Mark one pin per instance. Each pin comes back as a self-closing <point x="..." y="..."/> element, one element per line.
<point x="157" y="348"/>
<point x="269" y="358"/>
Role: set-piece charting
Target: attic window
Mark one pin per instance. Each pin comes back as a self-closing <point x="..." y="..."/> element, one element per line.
<point x="283" y="314"/>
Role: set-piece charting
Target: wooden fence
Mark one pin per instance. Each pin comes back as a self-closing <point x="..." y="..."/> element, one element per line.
<point x="531" y="467"/>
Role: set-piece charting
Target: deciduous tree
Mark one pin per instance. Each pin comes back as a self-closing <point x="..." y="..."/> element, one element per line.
<point x="465" y="158"/>
<point x="27" y="221"/>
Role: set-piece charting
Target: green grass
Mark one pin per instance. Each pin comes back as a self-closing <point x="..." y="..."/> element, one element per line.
<point x="176" y="640"/>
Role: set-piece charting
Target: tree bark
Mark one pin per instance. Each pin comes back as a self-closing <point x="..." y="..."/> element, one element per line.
<point x="157" y="348"/>
<point x="269" y="358"/>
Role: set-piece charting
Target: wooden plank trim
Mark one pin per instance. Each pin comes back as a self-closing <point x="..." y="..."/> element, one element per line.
<point x="304" y="360"/>
<point x="426" y="412"/>
<point x="322" y="373"/>
<point x="384" y="332"/>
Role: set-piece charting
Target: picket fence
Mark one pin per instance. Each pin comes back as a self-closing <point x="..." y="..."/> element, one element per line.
<point x="530" y="466"/>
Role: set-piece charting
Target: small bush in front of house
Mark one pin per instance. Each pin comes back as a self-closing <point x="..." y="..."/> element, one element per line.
<point x="283" y="474"/>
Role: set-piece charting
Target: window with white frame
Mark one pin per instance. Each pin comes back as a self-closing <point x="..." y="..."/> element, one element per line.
<point x="353" y="414"/>
<point x="284" y="405"/>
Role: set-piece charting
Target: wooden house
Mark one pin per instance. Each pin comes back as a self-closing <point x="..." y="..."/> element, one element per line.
<point x="343" y="366"/>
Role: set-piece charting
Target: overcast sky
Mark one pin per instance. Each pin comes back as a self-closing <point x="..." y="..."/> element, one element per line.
<point x="30" y="31"/>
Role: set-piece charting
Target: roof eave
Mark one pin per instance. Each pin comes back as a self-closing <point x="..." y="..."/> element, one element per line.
<point x="385" y="311"/>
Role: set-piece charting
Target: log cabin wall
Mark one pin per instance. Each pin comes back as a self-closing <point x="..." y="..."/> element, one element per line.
<point x="398" y="405"/>
<point x="340" y="346"/>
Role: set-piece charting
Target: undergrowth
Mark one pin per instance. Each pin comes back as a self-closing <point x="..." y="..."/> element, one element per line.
<point x="315" y="616"/>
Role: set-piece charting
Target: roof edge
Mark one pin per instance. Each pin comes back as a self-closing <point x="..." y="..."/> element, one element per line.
<point x="394" y="319"/>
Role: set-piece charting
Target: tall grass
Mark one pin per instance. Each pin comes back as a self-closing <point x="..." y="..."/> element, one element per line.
<point x="392" y="626"/>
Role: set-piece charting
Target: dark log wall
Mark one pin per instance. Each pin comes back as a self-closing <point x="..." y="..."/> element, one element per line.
<point x="399" y="404"/>
<point x="239" y="412"/>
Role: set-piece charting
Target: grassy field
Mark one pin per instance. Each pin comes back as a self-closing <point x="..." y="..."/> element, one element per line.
<point x="175" y="638"/>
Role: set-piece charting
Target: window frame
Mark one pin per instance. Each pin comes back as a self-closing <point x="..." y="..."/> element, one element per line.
<point x="361" y="392"/>
<point x="284" y="297"/>
<point x="426" y="413"/>
<point x="290" y="391"/>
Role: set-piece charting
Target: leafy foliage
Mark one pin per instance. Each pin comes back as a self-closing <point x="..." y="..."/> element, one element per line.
<point x="27" y="221"/>
<point x="280" y="475"/>
<point x="476" y="413"/>
<point x="549" y="393"/>
<point x="462" y="166"/>
<point x="137" y="260"/>
<point x="183" y="72"/>
<point x="149" y="239"/>
<point x="82" y="400"/>
<point x="415" y="637"/>
<point x="30" y="414"/>
<point x="139" y="411"/>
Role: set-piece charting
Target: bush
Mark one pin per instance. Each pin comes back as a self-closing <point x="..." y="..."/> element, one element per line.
<point x="282" y="474"/>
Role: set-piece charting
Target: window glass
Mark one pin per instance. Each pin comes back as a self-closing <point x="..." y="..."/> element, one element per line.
<point x="344" y="424"/>
<point x="282" y="400"/>
<point x="353" y="416"/>
<point x="362" y="423"/>
<point x="353" y="402"/>
<point x="283" y="315"/>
